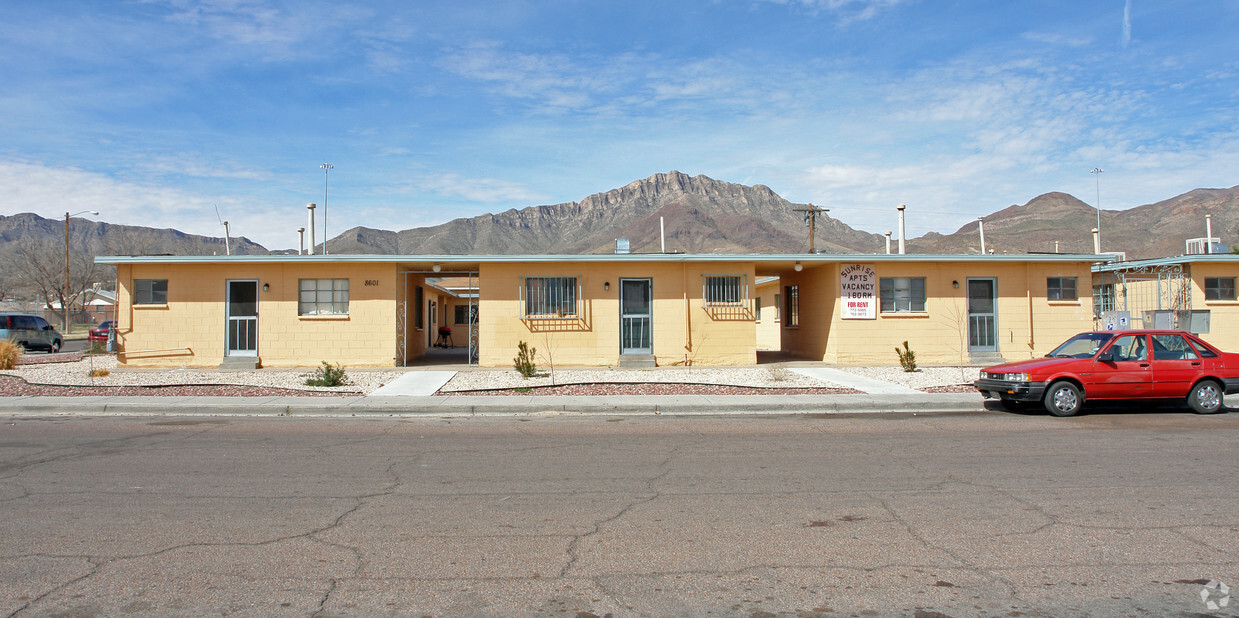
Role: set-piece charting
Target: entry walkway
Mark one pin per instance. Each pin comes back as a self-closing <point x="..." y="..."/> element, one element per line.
<point x="851" y="380"/>
<point x="414" y="384"/>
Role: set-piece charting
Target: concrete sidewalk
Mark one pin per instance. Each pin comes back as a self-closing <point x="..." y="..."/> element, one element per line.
<point x="510" y="405"/>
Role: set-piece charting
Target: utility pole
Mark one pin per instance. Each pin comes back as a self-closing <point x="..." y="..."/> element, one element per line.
<point x="810" y="219"/>
<point x="326" y="167"/>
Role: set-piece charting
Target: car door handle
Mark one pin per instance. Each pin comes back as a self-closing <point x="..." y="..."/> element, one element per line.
<point x="1196" y="364"/>
<point x="1144" y="365"/>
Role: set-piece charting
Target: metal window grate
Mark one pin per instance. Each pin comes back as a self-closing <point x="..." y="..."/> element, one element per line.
<point x="724" y="290"/>
<point x="545" y="297"/>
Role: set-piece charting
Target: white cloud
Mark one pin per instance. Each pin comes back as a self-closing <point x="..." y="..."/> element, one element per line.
<point x="1127" y="23"/>
<point x="846" y="10"/>
<point x="486" y="190"/>
<point x="50" y="192"/>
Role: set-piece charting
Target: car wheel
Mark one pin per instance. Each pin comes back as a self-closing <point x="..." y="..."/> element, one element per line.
<point x="1063" y="399"/>
<point x="1206" y="397"/>
<point x="55" y="347"/>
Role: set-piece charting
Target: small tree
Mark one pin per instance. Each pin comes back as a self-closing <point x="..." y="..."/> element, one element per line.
<point x="907" y="358"/>
<point x="524" y="362"/>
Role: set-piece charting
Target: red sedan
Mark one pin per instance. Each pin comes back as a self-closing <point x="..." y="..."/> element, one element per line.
<point x="100" y="333"/>
<point x="1107" y="365"/>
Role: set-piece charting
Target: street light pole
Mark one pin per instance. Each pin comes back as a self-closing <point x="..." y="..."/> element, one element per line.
<point x="1097" y="172"/>
<point x="326" y="167"/>
<point x="64" y="293"/>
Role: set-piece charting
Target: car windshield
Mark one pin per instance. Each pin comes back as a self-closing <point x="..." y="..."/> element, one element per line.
<point x="1084" y="345"/>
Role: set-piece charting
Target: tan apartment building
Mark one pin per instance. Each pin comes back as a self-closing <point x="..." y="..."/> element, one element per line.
<point x="596" y="310"/>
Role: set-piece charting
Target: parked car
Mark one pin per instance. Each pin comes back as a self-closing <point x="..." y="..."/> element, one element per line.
<point x="100" y="332"/>
<point x="30" y="332"/>
<point x="1108" y="365"/>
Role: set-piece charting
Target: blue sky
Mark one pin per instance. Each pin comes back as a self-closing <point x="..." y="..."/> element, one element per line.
<point x="158" y="112"/>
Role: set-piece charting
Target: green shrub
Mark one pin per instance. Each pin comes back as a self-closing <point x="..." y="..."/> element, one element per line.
<point x="9" y="353"/>
<point x="907" y="357"/>
<point x="328" y="375"/>
<point x="524" y="360"/>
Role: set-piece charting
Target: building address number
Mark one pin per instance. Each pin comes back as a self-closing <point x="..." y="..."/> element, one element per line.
<point x="371" y="282"/>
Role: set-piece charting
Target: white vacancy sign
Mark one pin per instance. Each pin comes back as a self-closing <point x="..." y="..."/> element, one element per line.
<point x="858" y="292"/>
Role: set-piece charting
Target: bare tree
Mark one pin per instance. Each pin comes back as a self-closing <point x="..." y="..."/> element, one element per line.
<point x="41" y="267"/>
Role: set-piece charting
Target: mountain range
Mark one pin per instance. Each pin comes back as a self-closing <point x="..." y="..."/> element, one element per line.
<point x="697" y="214"/>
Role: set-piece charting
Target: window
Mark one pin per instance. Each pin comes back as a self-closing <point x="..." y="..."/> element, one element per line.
<point x="1219" y="288"/>
<point x="757" y="308"/>
<point x="1061" y="288"/>
<point x="550" y="296"/>
<point x="902" y="294"/>
<point x="470" y="310"/>
<point x="419" y="308"/>
<point x="791" y="314"/>
<point x="1172" y="347"/>
<point x="778" y="307"/>
<point x="150" y="291"/>
<point x="322" y="297"/>
<point x="1130" y="348"/>
<point x="724" y="290"/>
<point x="1103" y="299"/>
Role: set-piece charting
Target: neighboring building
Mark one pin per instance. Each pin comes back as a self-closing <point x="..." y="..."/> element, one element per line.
<point x="1189" y="292"/>
<point x="598" y="310"/>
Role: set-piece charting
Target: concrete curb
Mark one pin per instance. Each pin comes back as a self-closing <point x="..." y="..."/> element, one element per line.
<point x="457" y="406"/>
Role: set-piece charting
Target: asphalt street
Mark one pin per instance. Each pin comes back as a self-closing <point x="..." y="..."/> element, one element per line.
<point x="965" y="514"/>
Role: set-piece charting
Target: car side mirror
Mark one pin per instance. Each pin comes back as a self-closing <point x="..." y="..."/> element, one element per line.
<point x="1106" y="357"/>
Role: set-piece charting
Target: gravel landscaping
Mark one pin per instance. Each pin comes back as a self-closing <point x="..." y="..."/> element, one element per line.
<point x="70" y="375"/>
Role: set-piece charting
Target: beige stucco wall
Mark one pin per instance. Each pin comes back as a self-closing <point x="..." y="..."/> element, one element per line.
<point x="190" y="329"/>
<point x="1028" y="324"/>
<point x="1223" y="314"/>
<point x="683" y="330"/>
<point x="768" y="324"/>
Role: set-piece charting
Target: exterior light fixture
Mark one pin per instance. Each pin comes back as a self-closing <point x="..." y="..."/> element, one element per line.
<point x="798" y="267"/>
<point x="955" y="284"/>
<point x="266" y="287"/>
<point x="606" y="286"/>
<point x="436" y="267"/>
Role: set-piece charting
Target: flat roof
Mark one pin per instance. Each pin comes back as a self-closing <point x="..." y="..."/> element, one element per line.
<point x="465" y="261"/>
<point x="1166" y="261"/>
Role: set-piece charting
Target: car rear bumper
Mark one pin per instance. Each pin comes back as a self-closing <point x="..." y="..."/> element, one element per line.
<point x="1230" y="386"/>
<point x="1010" y="391"/>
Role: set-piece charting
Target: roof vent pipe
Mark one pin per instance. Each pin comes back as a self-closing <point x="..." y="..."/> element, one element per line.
<point x="300" y="240"/>
<point x="888" y="242"/>
<point x="662" y="235"/>
<point x="310" y="208"/>
<point x="1208" y="233"/>
<point x="981" y="228"/>
<point x="901" y="229"/>
<point x="1097" y="241"/>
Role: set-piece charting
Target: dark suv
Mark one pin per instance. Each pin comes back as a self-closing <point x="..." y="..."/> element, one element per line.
<point x="30" y="332"/>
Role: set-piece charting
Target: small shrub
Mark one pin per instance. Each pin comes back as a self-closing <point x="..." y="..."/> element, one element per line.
<point x="100" y="373"/>
<point x="907" y="357"/>
<point x="9" y="353"/>
<point x="524" y="360"/>
<point x="328" y="375"/>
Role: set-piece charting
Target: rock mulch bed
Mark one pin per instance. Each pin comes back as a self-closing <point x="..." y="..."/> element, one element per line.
<point x="69" y="375"/>
<point x="13" y="386"/>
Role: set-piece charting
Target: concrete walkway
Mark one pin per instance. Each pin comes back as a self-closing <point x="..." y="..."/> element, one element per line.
<point x="851" y="380"/>
<point x="414" y="384"/>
